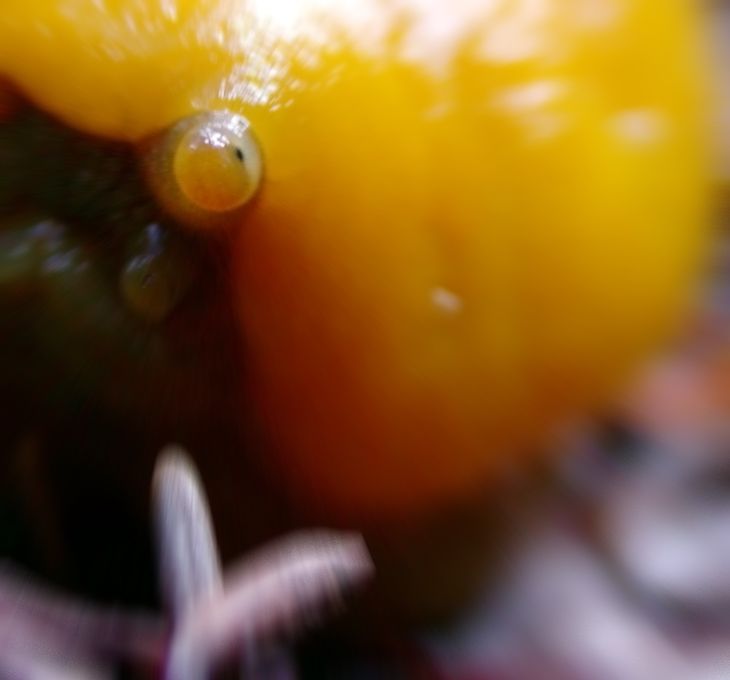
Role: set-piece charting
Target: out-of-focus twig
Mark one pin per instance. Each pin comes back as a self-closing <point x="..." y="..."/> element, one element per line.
<point x="247" y="616"/>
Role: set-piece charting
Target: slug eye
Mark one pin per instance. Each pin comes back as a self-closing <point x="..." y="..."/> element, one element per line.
<point x="217" y="164"/>
<point x="204" y="167"/>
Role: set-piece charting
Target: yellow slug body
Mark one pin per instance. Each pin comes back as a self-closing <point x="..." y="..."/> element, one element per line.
<point x="475" y="215"/>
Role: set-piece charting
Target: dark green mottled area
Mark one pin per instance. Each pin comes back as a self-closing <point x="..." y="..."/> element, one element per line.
<point x="102" y="296"/>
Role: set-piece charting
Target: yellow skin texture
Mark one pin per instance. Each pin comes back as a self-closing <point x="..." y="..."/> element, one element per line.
<point x="476" y="215"/>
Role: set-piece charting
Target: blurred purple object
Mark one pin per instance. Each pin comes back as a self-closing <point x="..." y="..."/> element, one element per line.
<point x="249" y="615"/>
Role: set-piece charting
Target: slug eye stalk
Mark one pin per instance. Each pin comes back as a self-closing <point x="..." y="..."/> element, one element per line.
<point x="205" y="168"/>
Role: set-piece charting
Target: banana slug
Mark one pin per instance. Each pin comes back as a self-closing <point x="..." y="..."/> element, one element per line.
<point x="412" y="238"/>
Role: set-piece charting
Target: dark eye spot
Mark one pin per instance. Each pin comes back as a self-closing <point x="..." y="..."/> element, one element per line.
<point x="239" y="154"/>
